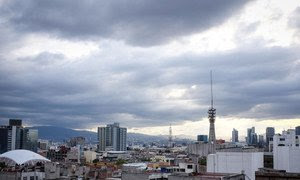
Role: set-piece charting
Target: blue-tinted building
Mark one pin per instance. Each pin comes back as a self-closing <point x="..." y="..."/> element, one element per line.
<point x="202" y="138"/>
<point x="297" y="130"/>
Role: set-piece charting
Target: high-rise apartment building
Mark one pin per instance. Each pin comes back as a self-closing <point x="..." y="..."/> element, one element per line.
<point x="15" y="136"/>
<point x="297" y="130"/>
<point x="11" y="136"/>
<point x="286" y="151"/>
<point x="270" y="132"/>
<point x="112" y="137"/>
<point x="101" y="138"/>
<point x="235" y="136"/>
<point x="3" y="139"/>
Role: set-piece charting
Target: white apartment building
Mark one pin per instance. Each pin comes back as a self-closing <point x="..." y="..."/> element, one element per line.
<point x="235" y="162"/>
<point x="286" y="151"/>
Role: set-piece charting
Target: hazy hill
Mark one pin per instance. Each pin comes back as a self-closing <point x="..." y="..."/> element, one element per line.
<point x="60" y="134"/>
<point x="56" y="133"/>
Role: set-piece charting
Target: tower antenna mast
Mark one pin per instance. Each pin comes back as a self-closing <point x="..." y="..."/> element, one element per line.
<point x="211" y="115"/>
<point x="211" y="89"/>
<point x="170" y="137"/>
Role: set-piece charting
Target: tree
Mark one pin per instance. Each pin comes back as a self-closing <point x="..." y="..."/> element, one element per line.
<point x="120" y="162"/>
<point x="95" y="161"/>
<point x="2" y="165"/>
<point x="202" y="161"/>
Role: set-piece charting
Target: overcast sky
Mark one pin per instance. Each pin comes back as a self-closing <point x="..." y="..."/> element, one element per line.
<point x="145" y="64"/>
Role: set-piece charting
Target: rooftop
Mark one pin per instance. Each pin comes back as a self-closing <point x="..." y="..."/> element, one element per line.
<point x="21" y="157"/>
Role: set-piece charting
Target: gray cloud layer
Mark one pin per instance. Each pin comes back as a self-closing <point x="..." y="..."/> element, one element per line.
<point x="141" y="23"/>
<point x="252" y="81"/>
<point x="259" y="84"/>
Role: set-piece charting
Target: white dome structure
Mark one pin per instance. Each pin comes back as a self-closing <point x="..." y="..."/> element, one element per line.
<point x="22" y="156"/>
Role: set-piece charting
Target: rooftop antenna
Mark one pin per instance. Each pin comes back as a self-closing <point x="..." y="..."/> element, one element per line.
<point x="211" y="89"/>
<point x="170" y="137"/>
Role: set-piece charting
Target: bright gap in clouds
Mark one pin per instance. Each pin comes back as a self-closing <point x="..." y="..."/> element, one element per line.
<point x="271" y="19"/>
<point x="72" y="50"/>
<point x="224" y="127"/>
<point x="266" y="20"/>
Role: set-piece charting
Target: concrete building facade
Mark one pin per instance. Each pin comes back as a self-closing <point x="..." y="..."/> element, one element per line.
<point x="201" y="149"/>
<point x="235" y="162"/>
<point x="112" y="137"/>
<point x="270" y="131"/>
<point x="272" y="174"/>
<point x="89" y="156"/>
<point x="286" y="151"/>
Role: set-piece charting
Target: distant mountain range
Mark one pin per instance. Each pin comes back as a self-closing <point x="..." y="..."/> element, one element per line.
<point x="60" y="134"/>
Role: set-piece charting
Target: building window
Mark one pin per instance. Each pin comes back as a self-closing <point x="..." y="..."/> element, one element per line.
<point x="297" y="144"/>
<point x="190" y="166"/>
<point x="296" y="137"/>
<point x="281" y="139"/>
<point x="31" y="177"/>
<point x="281" y="145"/>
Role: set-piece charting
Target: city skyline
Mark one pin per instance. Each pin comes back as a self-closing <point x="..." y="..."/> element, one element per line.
<point x="147" y="65"/>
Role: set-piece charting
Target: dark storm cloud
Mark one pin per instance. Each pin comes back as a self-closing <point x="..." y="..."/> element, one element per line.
<point x="140" y="23"/>
<point x="259" y="83"/>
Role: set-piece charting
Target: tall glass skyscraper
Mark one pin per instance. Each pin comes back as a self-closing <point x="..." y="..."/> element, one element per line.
<point x="251" y="136"/>
<point x="30" y="139"/>
<point x="15" y="136"/>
